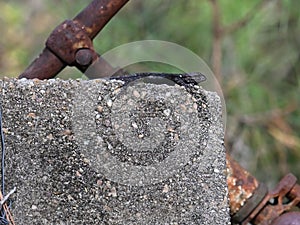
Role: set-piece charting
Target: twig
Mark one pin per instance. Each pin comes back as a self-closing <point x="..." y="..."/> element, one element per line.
<point x="265" y="117"/>
<point x="244" y="21"/>
<point x="7" y="196"/>
<point x="217" y="39"/>
<point x="8" y="214"/>
<point x="220" y="31"/>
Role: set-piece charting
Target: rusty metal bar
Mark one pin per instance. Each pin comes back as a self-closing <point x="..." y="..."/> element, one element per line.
<point x="290" y="218"/>
<point x="241" y="184"/>
<point x="267" y="212"/>
<point x="295" y="193"/>
<point x="251" y="202"/>
<point x="91" y="20"/>
<point x="97" y="14"/>
<point x="241" y="188"/>
<point x="45" y="66"/>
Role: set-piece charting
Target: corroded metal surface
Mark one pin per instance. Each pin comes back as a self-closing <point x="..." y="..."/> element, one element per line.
<point x="83" y="28"/>
<point x="97" y="14"/>
<point x="241" y="184"/>
<point x="67" y="39"/>
<point x="274" y="203"/>
<point x="250" y="201"/>
<point x="291" y="218"/>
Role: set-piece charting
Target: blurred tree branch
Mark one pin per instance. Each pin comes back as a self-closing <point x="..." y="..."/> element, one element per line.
<point x="245" y="20"/>
<point x="217" y="40"/>
<point x="220" y="31"/>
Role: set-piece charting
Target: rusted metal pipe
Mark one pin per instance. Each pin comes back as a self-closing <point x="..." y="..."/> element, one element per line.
<point x="244" y="191"/>
<point x="250" y="201"/>
<point x="45" y="66"/>
<point x="282" y="199"/>
<point x="290" y="218"/>
<point x="241" y="184"/>
<point x="91" y="20"/>
<point x="97" y="14"/>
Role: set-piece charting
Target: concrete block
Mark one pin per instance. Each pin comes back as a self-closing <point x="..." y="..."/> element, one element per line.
<point x="96" y="152"/>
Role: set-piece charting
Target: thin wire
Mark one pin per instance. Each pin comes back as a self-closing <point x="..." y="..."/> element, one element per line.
<point x="3" y="219"/>
<point x="3" y="154"/>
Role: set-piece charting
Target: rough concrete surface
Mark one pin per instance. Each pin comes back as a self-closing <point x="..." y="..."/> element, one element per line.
<point x="95" y="152"/>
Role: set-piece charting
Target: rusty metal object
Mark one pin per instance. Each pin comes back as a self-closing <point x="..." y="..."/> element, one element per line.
<point x="295" y="193"/>
<point x="250" y="200"/>
<point x="72" y="36"/>
<point x="97" y="14"/>
<point x="241" y="185"/>
<point x="45" y="66"/>
<point x="84" y="57"/>
<point x="67" y="39"/>
<point x="290" y="218"/>
<point x="274" y="203"/>
<point x="282" y="199"/>
<point x="250" y="205"/>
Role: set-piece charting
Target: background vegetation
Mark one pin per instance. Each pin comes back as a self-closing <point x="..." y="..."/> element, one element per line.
<point x="252" y="46"/>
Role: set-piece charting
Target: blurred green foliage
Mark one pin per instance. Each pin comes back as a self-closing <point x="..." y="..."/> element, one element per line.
<point x="260" y="63"/>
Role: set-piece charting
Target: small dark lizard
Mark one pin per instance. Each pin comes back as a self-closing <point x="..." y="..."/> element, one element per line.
<point x="183" y="79"/>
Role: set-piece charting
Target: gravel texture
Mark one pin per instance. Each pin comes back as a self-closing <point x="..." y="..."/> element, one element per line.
<point x="96" y="152"/>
